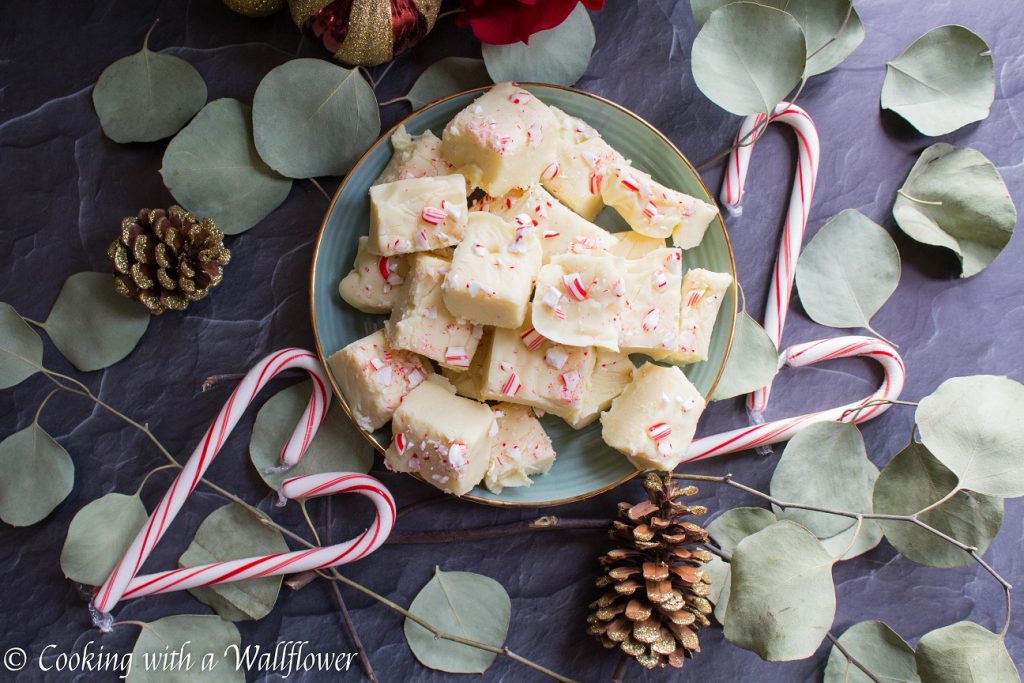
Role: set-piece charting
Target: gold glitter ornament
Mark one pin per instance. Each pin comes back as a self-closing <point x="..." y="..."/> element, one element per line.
<point x="256" y="8"/>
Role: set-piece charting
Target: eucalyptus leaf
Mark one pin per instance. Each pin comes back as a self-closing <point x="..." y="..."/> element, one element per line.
<point x="147" y="96"/>
<point x="847" y="271"/>
<point x="739" y="67"/>
<point x="213" y="169"/>
<point x="955" y="198"/>
<point x="313" y="118"/>
<point x="732" y="526"/>
<point x="99" y="535"/>
<point x="753" y="360"/>
<point x="21" y="349"/>
<point x="337" y="447"/>
<point x="209" y="644"/>
<point x="854" y="541"/>
<point x="975" y="427"/>
<point x="964" y="651"/>
<point x="92" y="325"/>
<point x="231" y="532"/>
<point x="719" y="571"/>
<point x="445" y="77"/>
<point x="782" y="600"/>
<point x="37" y="476"/>
<point x="559" y="55"/>
<point x="463" y="604"/>
<point x="914" y="480"/>
<point x="943" y="81"/>
<point x="879" y="649"/>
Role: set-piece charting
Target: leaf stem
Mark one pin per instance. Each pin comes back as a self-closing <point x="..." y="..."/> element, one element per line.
<point x="850" y="658"/>
<point x="145" y="41"/>
<point x="903" y="194"/>
<point x="835" y="36"/>
<point x="42" y="404"/>
<point x="393" y="100"/>
<point x="320" y="187"/>
<point x="854" y="413"/>
<point x="619" y="674"/>
<point x="545" y="523"/>
<point x="150" y="474"/>
<point x="35" y="323"/>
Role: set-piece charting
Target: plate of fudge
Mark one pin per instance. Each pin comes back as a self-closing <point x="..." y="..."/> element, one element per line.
<point x="523" y="295"/>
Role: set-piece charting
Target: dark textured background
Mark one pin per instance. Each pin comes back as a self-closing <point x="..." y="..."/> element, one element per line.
<point x="65" y="187"/>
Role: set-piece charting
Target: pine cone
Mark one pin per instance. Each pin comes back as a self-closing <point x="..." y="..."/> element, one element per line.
<point x="166" y="259"/>
<point x="656" y="600"/>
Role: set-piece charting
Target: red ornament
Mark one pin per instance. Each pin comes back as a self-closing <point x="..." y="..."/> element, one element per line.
<point x="500" y="22"/>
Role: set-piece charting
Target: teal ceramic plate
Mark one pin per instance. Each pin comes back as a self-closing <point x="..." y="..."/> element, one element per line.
<point x="585" y="465"/>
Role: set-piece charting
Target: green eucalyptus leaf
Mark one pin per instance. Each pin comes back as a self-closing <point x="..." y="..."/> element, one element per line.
<point x="879" y="649"/>
<point x="975" y="427"/>
<point x="37" y="476"/>
<point x="213" y="169"/>
<point x="782" y="600"/>
<point x="337" y="447"/>
<point x="848" y="271"/>
<point x="739" y="67"/>
<point x="943" y="81"/>
<point x="825" y="465"/>
<point x="21" y="349"/>
<point x="147" y="96"/>
<point x="964" y="651"/>
<point x="232" y="532"/>
<point x="463" y="604"/>
<point x="854" y="541"/>
<point x="445" y="77"/>
<point x="732" y="526"/>
<point x="913" y="480"/>
<point x="720" y="573"/>
<point x="208" y="642"/>
<point x="99" y="535"/>
<point x="313" y="118"/>
<point x="92" y="325"/>
<point x="753" y="360"/>
<point x="955" y="198"/>
<point x="559" y="55"/>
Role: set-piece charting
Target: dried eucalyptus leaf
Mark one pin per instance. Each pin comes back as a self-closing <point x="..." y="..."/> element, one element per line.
<point x="213" y="169"/>
<point x="445" y="77"/>
<point x="92" y="325"/>
<point x="203" y="639"/>
<point x="732" y="526"/>
<point x="753" y="360"/>
<point x="964" y="651"/>
<point x="21" y="349"/>
<point x="955" y="198"/>
<point x="854" y="541"/>
<point x="720" y="573"/>
<point x="943" y="81"/>
<point x="313" y="118"/>
<point x="99" y="535"/>
<point x="232" y="532"/>
<point x="878" y="648"/>
<point x="37" y="476"/>
<point x="559" y="55"/>
<point x="463" y="604"/>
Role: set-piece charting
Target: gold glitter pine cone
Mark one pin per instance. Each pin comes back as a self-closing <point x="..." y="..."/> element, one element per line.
<point x="167" y="259"/>
<point x="655" y="592"/>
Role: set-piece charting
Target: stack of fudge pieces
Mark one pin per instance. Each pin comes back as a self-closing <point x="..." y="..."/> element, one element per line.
<point x="520" y="299"/>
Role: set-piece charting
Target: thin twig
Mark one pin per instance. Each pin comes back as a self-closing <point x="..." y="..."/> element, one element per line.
<point x="214" y="380"/>
<point x="376" y="81"/>
<point x="545" y="523"/>
<point x="320" y="187"/>
<point x="851" y="659"/>
<point x="619" y="674"/>
<point x="854" y="413"/>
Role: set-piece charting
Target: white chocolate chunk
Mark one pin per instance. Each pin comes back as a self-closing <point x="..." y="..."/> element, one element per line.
<point x="371" y="284"/>
<point x="653" y="421"/>
<point x="419" y="214"/>
<point x="579" y="299"/>
<point x="374" y="378"/>
<point x="519" y="449"/>
<point x="649" y="322"/>
<point x="503" y="140"/>
<point x="444" y="438"/>
<point x="583" y="160"/>
<point x="703" y="291"/>
<point x="414" y="157"/>
<point x="613" y="372"/>
<point x="493" y="271"/>
<point x="632" y="245"/>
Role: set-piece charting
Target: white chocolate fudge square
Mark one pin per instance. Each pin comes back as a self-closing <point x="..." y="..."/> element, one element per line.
<point x="370" y="285"/>
<point x="631" y="244"/>
<point x="493" y="271"/>
<point x="414" y="157"/>
<point x="421" y="323"/>
<point x="374" y="378"/>
<point x="419" y="214"/>
<point x="649" y="322"/>
<point x="613" y="372"/>
<point x="579" y="299"/>
<point x="653" y="421"/>
<point x="503" y="140"/>
<point x="444" y="438"/>
<point x="654" y="210"/>
<point x="519" y="449"/>
<point x="703" y="291"/>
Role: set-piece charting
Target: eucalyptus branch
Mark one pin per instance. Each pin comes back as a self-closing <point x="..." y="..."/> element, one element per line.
<point x="545" y="523"/>
<point x="851" y="659"/>
<point x="854" y="413"/>
<point x="320" y="187"/>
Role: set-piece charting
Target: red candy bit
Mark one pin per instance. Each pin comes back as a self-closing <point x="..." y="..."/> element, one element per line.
<point x="401" y="443"/>
<point x="660" y="279"/>
<point x="521" y="97"/>
<point x="595" y="183"/>
<point x="630" y="183"/>
<point x="694" y="297"/>
<point x="559" y="313"/>
<point x="376" y="363"/>
<point x="550" y="171"/>
<point x="674" y="262"/>
<point x="512" y="385"/>
<point x="571" y="381"/>
<point x="433" y="215"/>
<point x="650" y="322"/>
<point x="383" y="266"/>
<point x="548" y="234"/>
<point x="650" y="210"/>
<point x="659" y="431"/>
<point x="574" y="286"/>
<point x="532" y="339"/>
<point x="456" y="356"/>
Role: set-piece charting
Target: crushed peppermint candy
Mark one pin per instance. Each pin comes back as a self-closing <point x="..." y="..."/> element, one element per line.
<point x="479" y="249"/>
<point x="574" y="286"/>
<point x="415" y="378"/>
<point x="659" y="431"/>
<point x="620" y="288"/>
<point x="688" y="405"/>
<point x="694" y="297"/>
<point x="650" y="321"/>
<point x="457" y="455"/>
<point x="548" y="234"/>
<point x="450" y="209"/>
<point x="571" y="380"/>
<point x="556" y="357"/>
<point x="376" y="363"/>
<point x="559" y="313"/>
<point x="476" y="288"/>
<point x="590" y="158"/>
<point x="674" y="262"/>
<point x="401" y="443"/>
<point x="384" y="267"/>
<point x="477" y="331"/>
<point x="433" y="215"/>
<point x="512" y="385"/>
<point x="660" y="279"/>
<point x="687" y="341"/>
<point x="630" y="183"/>
<point x="552" y="297"/>
<point x="384" y="376"/>
<point x="430" y="313"/>
<point x="521" y="97"/>
<point x="523" y="221"/>
<point x="532" y="339"/>
<point x="423" y="238"/>
<point x="595" y="183"/>
<point x="399" y="245"/>
<point x="550" y="171"/>
<point x="535" y="135"/>
<point x="650" y="210"/>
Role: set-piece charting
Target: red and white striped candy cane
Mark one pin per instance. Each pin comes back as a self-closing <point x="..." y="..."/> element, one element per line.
<point x="799" y="356"/>
<point x="781" y="288"/>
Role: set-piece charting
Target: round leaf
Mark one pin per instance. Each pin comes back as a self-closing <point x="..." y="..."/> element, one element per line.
<point x="719" y="571"/>
<point x="964" y="651"/>
<point x="559" y="55"/>
<point x="877" y="647"/>
<point x="445" y="77"/>
<point x="21" y="349"/>
<point x="212" y="168"/>
<point x="462" y="604"/>
<point x="753" y="360"/>
<point x="975" y="427"/>
<point x="825" y="465"/>
<point x="92" y="325"/>
<point x="943" y="81"/>
<point x="955" y="198"/>
<point x="739" y="67"/>
<point x="313" y="118"/>
<point x="782" y="600"/>
<point x="37" y="475"/>
<point x="232" y="532"/>
<point x="203" y="639"/>
<point x="847" y="271"/>
<point x="99" y="535"/>
<point x="732" y="526"/>
<point x="912" y="481"/>
<point x="854" y="541"/>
